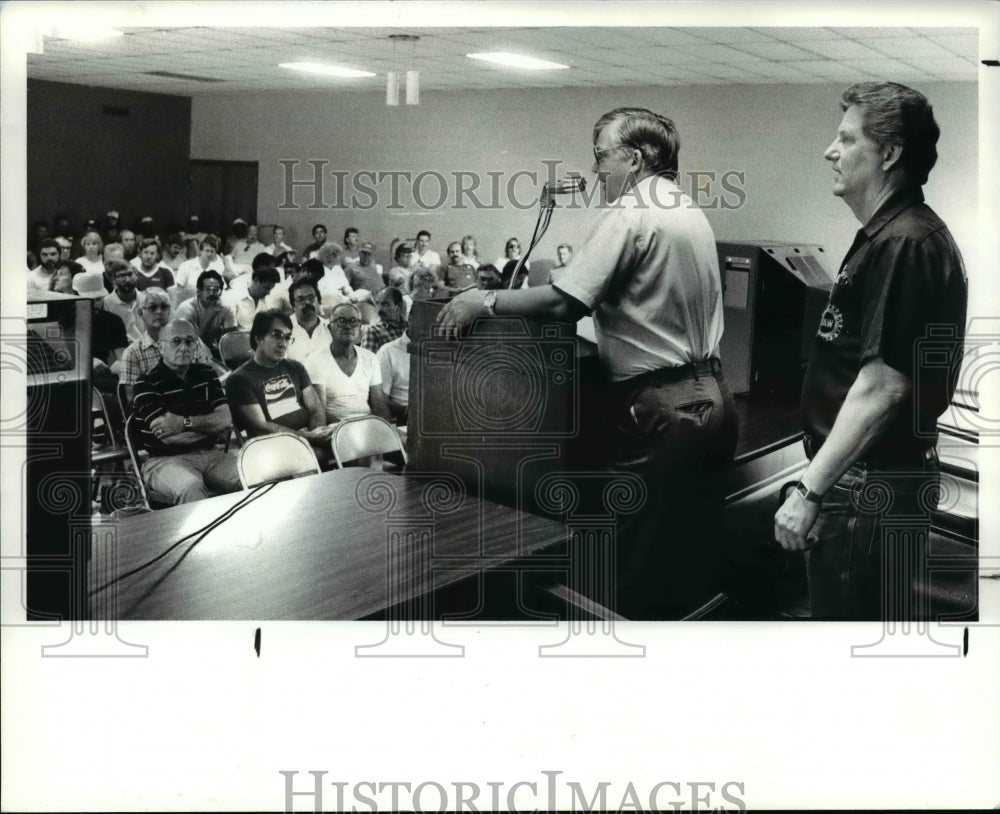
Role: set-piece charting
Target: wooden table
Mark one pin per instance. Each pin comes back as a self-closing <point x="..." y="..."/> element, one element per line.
<point x="344" y="544"/>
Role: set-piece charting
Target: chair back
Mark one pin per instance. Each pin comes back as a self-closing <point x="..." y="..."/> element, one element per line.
<point x="234" y="348"/>
<point x="134" y="445"/>
<point x="366" y="435"/>
<point x="269" y="458"/>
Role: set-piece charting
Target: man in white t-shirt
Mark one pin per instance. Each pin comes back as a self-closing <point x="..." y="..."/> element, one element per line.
<point x="346" y="377"/>
<point x="423" y="255"/>
<point x="189" y="271"/>
<point x="40" y="277"/>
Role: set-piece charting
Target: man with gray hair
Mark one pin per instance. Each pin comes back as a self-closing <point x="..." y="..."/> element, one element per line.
<point x="649" y="273"/>
<point x="145" y="353"/>
<point x="884" y="366"/>
<point x="181" y="410"/>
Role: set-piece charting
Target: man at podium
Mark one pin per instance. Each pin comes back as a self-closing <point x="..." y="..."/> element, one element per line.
<point x="649" y="275"/>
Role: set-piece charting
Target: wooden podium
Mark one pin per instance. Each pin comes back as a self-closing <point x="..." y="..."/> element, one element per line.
<point x="501" y="407"/>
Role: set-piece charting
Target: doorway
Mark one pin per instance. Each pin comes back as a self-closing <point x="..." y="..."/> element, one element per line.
<point x="222" y="191"/>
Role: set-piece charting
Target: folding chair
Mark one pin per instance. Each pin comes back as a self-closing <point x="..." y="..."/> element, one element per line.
<point x="234" y="348"/>
<point x="280" y="456"/>
<point x="133" y="441"/>
<point x="114" y="482"/>
<point x="366" y="435"/>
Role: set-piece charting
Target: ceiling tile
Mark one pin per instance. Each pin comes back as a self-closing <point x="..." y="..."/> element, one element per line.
<point x="910" y="47"/>
<point x="840" y="49"/>
<point x="773" y="50"/>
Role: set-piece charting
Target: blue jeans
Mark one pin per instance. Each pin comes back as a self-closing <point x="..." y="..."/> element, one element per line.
<point x="869" y="562"/>
<point x="679" y="437"/>
<point x="192" y="476"/>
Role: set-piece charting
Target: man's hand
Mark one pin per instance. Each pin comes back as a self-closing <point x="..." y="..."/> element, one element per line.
<point x="794" y="521"/>
<point x="166" y="425"/>
<point x="318" y="434"/>
<point x="460" y="311"/>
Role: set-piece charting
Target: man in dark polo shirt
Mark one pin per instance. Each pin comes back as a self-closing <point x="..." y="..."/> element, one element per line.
<point x="270" y="393"/>
<point x="456" y="274"/>
<point x="883" y="368"/>
<point x="181" y="409"/>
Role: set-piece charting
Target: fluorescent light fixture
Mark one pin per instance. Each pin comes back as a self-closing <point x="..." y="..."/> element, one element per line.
<point x="518" y="61"/>
<point x="87" y="33"/>
<point x="325" y="70"/>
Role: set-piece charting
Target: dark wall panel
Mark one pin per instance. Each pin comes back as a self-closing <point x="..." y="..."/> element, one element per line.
<point x="94" y="149"/>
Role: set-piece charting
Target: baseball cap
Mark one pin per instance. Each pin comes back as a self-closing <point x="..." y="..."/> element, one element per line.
<point x="367" y="246"/>
<point x="90" y="284"/>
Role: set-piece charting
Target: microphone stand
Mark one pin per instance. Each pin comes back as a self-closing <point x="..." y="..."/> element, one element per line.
<point x="546" y="203"/>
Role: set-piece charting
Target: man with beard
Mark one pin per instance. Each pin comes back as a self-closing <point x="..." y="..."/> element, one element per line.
<point x="40" y="278"/>
<point x="205" y="311"/>
<point x="123" y="301"/>
<point x="310" y="331"/>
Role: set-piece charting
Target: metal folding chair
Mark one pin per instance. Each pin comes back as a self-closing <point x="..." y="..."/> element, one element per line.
<point x="234" y="348"/>
<point x="268" y="458"/>
<point x="360" y="437"/>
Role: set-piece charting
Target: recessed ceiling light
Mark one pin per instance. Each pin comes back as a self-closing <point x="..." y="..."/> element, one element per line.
<point x="326" y="70"/>
<point x="85" y="34"/>
<point x="518" y="61"/>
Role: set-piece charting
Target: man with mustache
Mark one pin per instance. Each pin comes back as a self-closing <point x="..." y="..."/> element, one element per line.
<point x="206" y="312"/>
<point x="310" y="331"/>
<point x="40" y="278"/>
<point x="123" y="301"/>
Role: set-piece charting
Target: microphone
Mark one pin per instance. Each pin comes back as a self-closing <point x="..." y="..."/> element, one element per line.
<point x="563" y="186"/>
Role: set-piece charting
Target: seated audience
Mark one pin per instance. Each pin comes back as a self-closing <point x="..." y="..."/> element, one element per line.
<point x="394" y="363"/>
<point x="181" y="411"/>
<point x="423" y="255"/>
<point x="270" y="393"/>
<point x="250" y="246"/>
<point x="347" y="377"/>
<point x="145" y="352"/>
<point x="469" y="254"/>
<point x="128" y="241"/>
<point x="399" y="274"/>
<point x="93" y="246"/>
<point x="277" y="245"/>
<point x="507" y="264"/>
<point x="123" y="301"/>
<point x="392" y="316"/>
<point x="247" y="297"/>
<point x="310" y="331"/>
<point x="564" y="252"/>
<point x="352" y="251"/>
<point x="488" y="277"/>
<point x="65" y="247"/>
<point x="455" y="275"/>
<point x="40" y="278"/>
<point x="107" y="332"/>
<point x="152" y="273"/>
<point x="188" y="271"/>
<point x="319" y="238"/>
<point x="425" y="285"/>
<point x="174" y="252"/>
<point x="206" y="312"/>
<point x="365" y="274"/>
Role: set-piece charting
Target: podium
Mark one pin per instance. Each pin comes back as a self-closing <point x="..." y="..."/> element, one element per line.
<point x="501" y="407"/>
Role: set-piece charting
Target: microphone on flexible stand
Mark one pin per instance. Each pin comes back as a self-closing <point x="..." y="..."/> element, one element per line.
<point x="546" y="203"/>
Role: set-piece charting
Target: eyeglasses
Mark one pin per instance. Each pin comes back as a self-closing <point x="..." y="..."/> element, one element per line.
<point x="279" y="335"/>
<point x="157" y="306"/>
<point x="211" y="289"/>
<point x="186" y="341"/>
<point x="599" y="154"/>
<point x="344" y="322"/>
<point x="304" y="298"/>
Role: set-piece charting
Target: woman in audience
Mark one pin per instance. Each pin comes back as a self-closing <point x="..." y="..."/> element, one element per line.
<point x="507" y="264"/>
<point x="469" y="253"/>
<point x="91" y="259"/>
<point x="424" y="284"/>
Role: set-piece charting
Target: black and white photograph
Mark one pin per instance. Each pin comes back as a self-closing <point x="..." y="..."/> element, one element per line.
<point x="500" y="406"/>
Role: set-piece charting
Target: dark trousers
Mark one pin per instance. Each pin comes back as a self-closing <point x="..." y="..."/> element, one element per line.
<point x="677" y="432"/>
<point x="869" y="562"/>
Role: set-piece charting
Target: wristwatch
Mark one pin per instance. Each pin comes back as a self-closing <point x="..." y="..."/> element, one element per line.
<point x="187" y="422"/>
<point x="490" y="301"/>
<point x="807" y="493"/>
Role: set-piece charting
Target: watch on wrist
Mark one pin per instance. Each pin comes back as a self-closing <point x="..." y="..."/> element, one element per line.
<point x="807" y="493"/>
<point x="490" y="301"/>
<point x="187" y="422"/>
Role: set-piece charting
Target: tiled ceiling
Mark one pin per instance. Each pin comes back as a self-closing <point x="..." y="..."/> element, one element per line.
<point x="246" y="59"/>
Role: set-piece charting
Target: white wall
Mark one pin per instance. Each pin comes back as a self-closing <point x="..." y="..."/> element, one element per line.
<point x="776" y="135"/>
